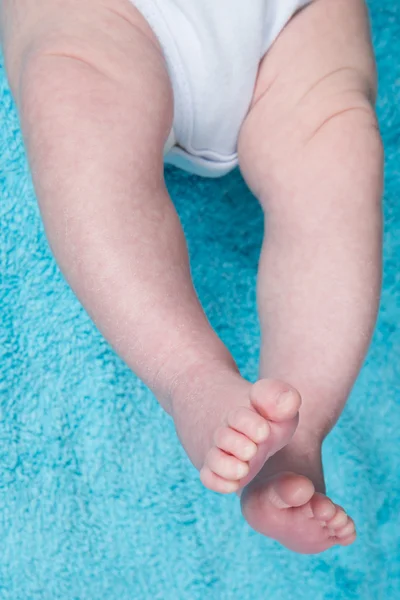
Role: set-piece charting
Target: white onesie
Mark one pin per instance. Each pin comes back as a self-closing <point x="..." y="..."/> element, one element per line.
<point x="212" y="49"/>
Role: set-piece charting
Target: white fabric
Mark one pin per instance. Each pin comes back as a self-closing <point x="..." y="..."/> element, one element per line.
<point x="212" y="49"/>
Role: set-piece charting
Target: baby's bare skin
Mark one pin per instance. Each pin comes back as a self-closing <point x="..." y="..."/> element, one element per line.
<point x="95" y="103"/>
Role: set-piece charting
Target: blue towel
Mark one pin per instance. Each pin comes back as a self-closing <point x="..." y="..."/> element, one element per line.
<point x="97" y="498"/>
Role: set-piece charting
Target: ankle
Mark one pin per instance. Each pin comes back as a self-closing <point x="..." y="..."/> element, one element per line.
<point x="198" y="404"/>
<point x="307" y="441"/>
<point x="303" y="455"/>
<point x="179" y="371"/>
<point x="198" y="377"/>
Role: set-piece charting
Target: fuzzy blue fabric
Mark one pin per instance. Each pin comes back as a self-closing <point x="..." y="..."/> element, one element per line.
<point x="97" y="498"/>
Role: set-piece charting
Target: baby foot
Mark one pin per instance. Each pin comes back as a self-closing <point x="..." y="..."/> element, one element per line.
<point x="250" y="435"/>
<point x="287" y="508"/>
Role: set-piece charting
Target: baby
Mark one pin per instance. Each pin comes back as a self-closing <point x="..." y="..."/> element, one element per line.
<point x="107" y="92"/>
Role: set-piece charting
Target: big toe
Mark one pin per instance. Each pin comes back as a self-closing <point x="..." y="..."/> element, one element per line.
<point x="278" y="403"/>
<point x="285" y="490"/>
<point x="287" y="508"/>
<point x="289" y="490"/>
<point x="275" y="400"/>
<point x="264" y="503"/>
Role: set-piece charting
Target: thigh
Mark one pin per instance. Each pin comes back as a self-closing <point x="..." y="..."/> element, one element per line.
<point x="110" y="34"/>
<point x="321" y="65"/>
<point x="98" y="58"/>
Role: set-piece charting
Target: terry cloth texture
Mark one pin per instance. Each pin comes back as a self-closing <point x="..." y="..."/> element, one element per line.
<point x="97" y="498"/>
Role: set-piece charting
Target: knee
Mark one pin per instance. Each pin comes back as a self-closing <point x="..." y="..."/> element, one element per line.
<point x="343" y="100"/>
<point x="27" y="53"/>
<point x="337" y="111"/>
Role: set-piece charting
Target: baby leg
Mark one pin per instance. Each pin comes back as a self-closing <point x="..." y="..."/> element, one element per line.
<point x="311" y="151"/>
<point x="95" y="105"/>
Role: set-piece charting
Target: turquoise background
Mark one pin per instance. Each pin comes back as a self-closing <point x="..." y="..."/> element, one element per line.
<point x="97" y="498"/>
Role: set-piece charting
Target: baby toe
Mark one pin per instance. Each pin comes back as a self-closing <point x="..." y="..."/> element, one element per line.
<point x="249" y="423"/>
<point x="225" y="465"/>
<point x="348" y="540"/>
<point x="213" y="482"/>
<point x="235" y="443"/>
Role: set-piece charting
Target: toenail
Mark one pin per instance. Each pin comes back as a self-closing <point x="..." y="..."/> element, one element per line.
<point x="242" y="470"/>
<point x="262" y="431"/>
<point x="285" y="397"/>
<point x="250" y="450"/>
